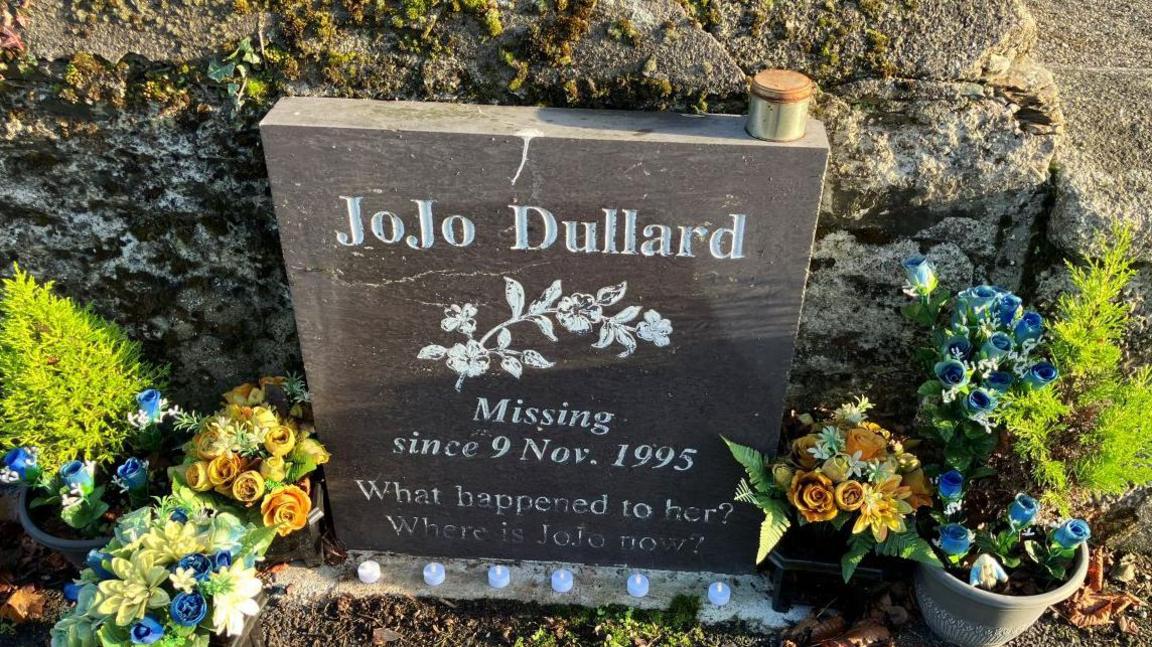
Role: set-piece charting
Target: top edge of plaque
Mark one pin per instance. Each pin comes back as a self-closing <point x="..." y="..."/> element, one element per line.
<point x="525" y="121"/>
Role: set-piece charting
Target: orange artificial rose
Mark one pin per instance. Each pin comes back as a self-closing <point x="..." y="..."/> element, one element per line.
<point x="800" y="454"/>
<point x="245" y="395"/>
<point x="812" y="495"/>
<point x="210" y="442"/>
<point x="248" y="487"/>
<point x="849" y="496"/>
<point x="870" y="444"/>
<point x="286" y="510"/>
<point x="917" y="482"/>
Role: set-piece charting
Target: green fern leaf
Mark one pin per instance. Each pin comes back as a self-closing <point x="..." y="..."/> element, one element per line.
<point x="753" y="462"/>
<point x="858" y="547"/>
<point x="772" y="529"/>
<point x="908" y="545"/>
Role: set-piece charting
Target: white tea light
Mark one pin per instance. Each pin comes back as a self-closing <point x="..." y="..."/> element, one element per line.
<point x="434" y="574"/>
<point x="637" y="585"/>
<point x="368" y="571"/>
<point x="499" y="576"/>
<point x="719" y="594"/>
<point x="561" y="580"/>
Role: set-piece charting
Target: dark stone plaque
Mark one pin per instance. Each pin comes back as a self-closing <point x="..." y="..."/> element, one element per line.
<point x="526" y="329"/>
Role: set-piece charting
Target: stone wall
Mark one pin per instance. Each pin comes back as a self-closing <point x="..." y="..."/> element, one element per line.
<point x="134" y="177"/>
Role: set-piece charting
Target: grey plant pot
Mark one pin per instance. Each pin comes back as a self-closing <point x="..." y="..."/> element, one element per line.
<point x="74" y="550"/>
<point x="970" y="617"/>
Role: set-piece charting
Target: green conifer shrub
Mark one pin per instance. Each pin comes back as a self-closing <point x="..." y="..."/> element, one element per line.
<point x="68" y="378"/>
<point x="1090" y="432"/>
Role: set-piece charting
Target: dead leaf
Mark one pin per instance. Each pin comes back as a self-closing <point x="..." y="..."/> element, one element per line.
<point x="1091" y="606"/>
<point x="381" y="636"/>
<point x="25" y="603"/>
<point x="814" y="629"/>
<point x="864" y="634"/>
<point x="1128" y="625"/>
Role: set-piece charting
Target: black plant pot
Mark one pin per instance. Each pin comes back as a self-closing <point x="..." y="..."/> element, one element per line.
<point x="74" y="550"/>
<point x="805" y="567"/>
<point x="304" y="544"/>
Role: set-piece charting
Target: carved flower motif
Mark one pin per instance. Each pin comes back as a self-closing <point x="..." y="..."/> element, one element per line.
<point x="579" y="312"/>
<point x="654" y="328"/>
<point x="469" y="359"/>
<point x="460" y="318"/>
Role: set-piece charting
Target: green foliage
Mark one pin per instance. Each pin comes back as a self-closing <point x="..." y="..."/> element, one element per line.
<point x="68" y="379"/>
<point x="1089" y="432"/>
<point x="772" y="529"/>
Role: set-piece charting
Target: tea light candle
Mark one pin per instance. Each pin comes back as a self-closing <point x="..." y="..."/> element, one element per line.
<point x="561" y="580"/>
<point x="498" y="576"/>
<point x="434" y="574"/>
<point x="368" y="571"/>
<point x="719" y="594"/>
<point x="637" y="585"/>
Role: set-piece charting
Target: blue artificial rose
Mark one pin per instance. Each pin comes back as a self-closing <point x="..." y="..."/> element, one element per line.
<point x="132" y="475"/>
<point x="1007" y="307"/>
<point x="955" y="540"/>
<point x="149" y="401"/>
<point x="188" y="609"/>
<point x="1040" y="375"/>
<point x="222" y="559"/>
<point x="72" y="591"/>
<point x="95" y="561"/>
<point x="200" y="564"/>
<point x="976" y="301"/>
<point x="77" y="474"/>
<point x="951" y="373"/>
<point x="999" y="381"/>
<point x="979" y="403"/>
<point x="1022" y="511"/>
<point x="22" y="460"/>
<point x="951" y="484"/>
<point x="1073" y="533"/>
<point x="146" y="631"/>
<point x="957" y="347"/>
<point x="997" y="346"/>
<point x="920" y="274"/>
<point x="179" y="515"/>
<point x="1030" y="326"/>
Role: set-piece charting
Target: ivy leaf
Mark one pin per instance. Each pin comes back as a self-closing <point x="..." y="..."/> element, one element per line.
<point x="432" y="351"/>
<point x="626" y="315"/>
<point x="513" y="366"/>
<point x="534" y="359"/>
<point x="772" y="529"/>
<point x="218" y="71"/>
<point x="546" y="299"/>
<point x="503" y="338"/>
<point x="514" y="292"/>
<point x="627" y="340"/>
<point x="545" y="326"/>
<point x="611" y="294"/>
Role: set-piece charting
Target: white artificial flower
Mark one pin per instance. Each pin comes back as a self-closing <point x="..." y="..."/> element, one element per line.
<point x="8" y="475"/>
<point x="236" y="588"/>
<point x="74" y="496"/>
<point x="183" y="579"/>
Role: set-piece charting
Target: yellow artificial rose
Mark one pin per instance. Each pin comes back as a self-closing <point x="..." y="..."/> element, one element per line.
<point x="837" y="468"/>
<point x="870" y="444"/>
<point x="812" y="496"/>
<point x="782" y="474"/>
<point x="245" y="395"/>
<point x="279" y="440"/>
<point x="265" y="418"/>
<point x="286" y="510"/>
<point x="197" y="477"/>
<point x="273" y="468"/>
<point x="223" y="469"/>
<point x="800" y="454"/>
<point x="210" y="442"/>
<point x="849" y="496"/>
<point x="311" y="448"/>
<point x="248" y="487"/>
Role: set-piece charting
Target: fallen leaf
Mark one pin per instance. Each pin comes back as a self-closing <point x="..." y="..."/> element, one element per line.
<point x="25" y="603"/>
<point x="864" y="634"/>
<point x="815" y="629"/>
<point x="1128" y="625"/>
<point x="1091" y="606"/>
<point x="381" y="636"/>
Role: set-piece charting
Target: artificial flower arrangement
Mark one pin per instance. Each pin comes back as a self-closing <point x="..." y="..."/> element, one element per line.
<point x="846" y="471"/>
<point x="173" y="575"/>
<point x="258" y="451"/>
<point x="986" y="350"/>
<point x="80" y="489"/>
<point x="1037" y="557"/>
